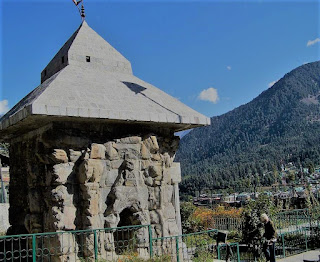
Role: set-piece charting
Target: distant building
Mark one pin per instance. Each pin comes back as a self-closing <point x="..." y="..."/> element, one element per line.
<point x="4" y="184"/>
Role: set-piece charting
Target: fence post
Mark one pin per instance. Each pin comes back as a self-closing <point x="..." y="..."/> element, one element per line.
<point x="150" y="241"/>
<point x="309" y="217"/>
<point x="34" y="253"/>
<point x="238" y="253"/>
<point x="95" y="245"/>
<point x="306" y="238"/>
<point x="177" y="248"/>
<point x="283" y="246"/>
<point x="218" y="250"/>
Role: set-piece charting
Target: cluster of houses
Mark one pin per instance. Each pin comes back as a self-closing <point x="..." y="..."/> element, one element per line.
<point x="233" y="200"/>
<point x="298" y="193"/>
<point x="288" y="189"/>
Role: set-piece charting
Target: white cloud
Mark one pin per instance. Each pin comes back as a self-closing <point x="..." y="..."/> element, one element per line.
<point x="210" y="94"/>
<point x="4" y="107"/>
<point x="272" y="83"/>
<point x="229" y="67"/>
<point x="313" y="42"/>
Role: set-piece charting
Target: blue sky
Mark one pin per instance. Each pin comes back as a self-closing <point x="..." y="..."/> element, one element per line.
<point x="227" y="52"/>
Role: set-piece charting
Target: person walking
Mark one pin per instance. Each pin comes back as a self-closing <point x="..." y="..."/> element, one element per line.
<point x="270" y="235"/>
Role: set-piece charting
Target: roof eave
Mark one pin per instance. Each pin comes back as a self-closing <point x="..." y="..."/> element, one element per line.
<point x="28" y="119"/>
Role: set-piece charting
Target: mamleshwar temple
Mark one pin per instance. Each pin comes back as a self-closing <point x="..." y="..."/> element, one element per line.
<point x="93" y="147"/>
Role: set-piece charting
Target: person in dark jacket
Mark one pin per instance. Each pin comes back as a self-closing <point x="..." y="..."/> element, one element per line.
<point x="270" y="235"/>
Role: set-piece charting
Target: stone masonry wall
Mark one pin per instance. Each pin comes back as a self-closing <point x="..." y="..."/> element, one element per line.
<point x="4" y="222"/>
<point x="70" y="177"/>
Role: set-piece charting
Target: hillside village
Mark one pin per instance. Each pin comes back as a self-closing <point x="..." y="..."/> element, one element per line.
<point x="291" y="191"/>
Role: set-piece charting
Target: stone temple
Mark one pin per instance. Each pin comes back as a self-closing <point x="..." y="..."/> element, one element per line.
<point x="93" y="146"/>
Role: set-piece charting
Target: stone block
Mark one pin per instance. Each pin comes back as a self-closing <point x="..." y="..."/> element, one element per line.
<point x="89" y="190"/>
<point x="153" y="201"/>
<point x="74" y="155"/>
<point x="59" y="156"/>
<point x="91" y="170"/>
<point x="155" y="171"/>
<point x="98" y="151"/>
<point x="145" y="164"/>
<point x="93" y="205"/>
<point x="128" y="151"/>
<point x="167" y="160"/>
<point x="169" y="211"/>
<point x="112" y="220"/>
<point x="60" y="195"/>
<point x="167" y="176"/>
<point x="167" y="191"/>
<point x="115" y="164"/>
<point x="131" y="140"/>
<point x="111" y="152"/>
<point x="66" y="218"/>
<point x="154" y="217"/>
<point x="126" y="147"/>
<point x="172" y="227"/>
<point x="156" y="157"/>
<point x="135" y="197"/>
<point x="148" y="181"/>
<point x="152" y="144"/>
<point x="109" y="177"/>
<point x="145" y="153"/>
<point x="175" y="172"/>
<point x="157" y="182"/>
<point x="104" y="192"/>
<point x="63" y="173"/>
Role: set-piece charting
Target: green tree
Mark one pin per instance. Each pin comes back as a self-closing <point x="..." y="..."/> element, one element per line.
<point x="257" y="137"/>
<point x="252" y="230"/>
<point x="188" y="224"/>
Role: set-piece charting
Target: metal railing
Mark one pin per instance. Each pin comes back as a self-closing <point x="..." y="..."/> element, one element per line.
<point x="298" y="241"/>
<point x="284" y="221"/>
<point x="292" y="220"/>
<point x="227" y="223"/>
<point x="195" y="247"/>
<point x="130" y="243"/>
<point x="229" y="252"/>
<point x="198" y="246"/>
<point x="107" y="244"/>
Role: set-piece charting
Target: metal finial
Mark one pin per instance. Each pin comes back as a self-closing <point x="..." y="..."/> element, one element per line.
<point x="83" y="15"/>
<point x="81" y="12"/>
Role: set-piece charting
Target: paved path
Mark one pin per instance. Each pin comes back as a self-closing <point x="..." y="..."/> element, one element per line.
<point x="310" y="255"/>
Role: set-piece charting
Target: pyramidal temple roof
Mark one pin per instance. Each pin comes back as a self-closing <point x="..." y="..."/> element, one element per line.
<point x="88" y="78"/>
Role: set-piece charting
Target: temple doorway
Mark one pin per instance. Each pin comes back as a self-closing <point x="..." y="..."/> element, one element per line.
<point x="126" y="237"/>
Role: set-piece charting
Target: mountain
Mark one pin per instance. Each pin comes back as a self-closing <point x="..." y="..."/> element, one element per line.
<point x="248" y="144"/>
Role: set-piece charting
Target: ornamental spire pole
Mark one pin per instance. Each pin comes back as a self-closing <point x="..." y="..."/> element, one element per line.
<point x="81" y="11"/>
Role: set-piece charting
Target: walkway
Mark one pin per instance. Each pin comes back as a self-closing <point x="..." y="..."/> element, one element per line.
<point x="308" y="256"/>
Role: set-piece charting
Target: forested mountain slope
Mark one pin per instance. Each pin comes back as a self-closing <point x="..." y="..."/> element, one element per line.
<point x="282" y="124"/>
